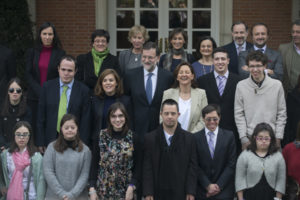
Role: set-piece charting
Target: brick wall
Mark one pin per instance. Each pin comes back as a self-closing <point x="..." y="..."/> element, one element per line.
<point x="73" y="19"/>
<point x="276" y="14"/>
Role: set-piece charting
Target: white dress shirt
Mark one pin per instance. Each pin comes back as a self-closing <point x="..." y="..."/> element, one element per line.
<point x="153" y="79"/>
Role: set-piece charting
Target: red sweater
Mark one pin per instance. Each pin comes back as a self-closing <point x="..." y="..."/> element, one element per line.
<point x="292" y="158"/>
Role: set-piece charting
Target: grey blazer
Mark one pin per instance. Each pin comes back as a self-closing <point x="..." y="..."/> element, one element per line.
<point x="274" y="63"/>
<point x="199" y="101"/>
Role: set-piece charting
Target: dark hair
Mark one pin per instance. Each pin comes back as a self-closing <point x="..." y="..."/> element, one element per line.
<point x="214" y="45"/>
<point x="112" y="109"/>
<point x="298" y="131"/>
<point x="56" y="41"/>
<point x="220" y="50"/>
<point x="259" y="24"/>
<point x="30" y="146"/>
<point x="211" y="108"/>
<point x="99" y="91"/>
<point x="68" y="58"/>
<point x="259" y="128"/>
<point x="151" y="45"/>
<point x="100" y="33"/>
<point x="175" y="32"/>
<point x="176" y="71"/>
<point x="169" y="102"/>
<point x="60" y="144"/>
<point x="6" y="103"/>
<point x="296" y="22"/>
<point x="257" y="56"/>
<point x="238" y="23"/>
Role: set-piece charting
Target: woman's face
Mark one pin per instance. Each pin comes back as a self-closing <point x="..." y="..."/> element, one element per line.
<point x="185" y="76"/>
<point x="263" y="140"/>
<point x="109" y="84"/>
<point x="206" y="48"/>
<point x="177" y="41"/>
<point x="69" y="130"/>
<point x="47" y="36"/>
<point x="22" y="137"/>
<point x="100" y="43"/>
<point x="137" y="40"/>
<point x="14" y="93"/>
<point x="117" y="120"/>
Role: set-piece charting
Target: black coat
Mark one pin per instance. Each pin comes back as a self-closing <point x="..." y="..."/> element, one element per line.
<point x="221" y="169"/>
<point x="79" y="105"/>
<point x="86" y="70"/>
<point x="183" y="163"/>
<point x="32" y="73"/>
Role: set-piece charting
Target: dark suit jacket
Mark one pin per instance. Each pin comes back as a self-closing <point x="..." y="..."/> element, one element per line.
<point x="32" y="73"/>
<point x="145" y="115"/>
<point x="86" y="71"/>
<point x="221" y="169"/>
<point x="79" y="105"/>
<point x="7" y="70"/>
<point x="184" y="162"/>
<point x="234" y="61"/>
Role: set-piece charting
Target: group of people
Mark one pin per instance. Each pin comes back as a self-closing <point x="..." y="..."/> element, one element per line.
<point x="125" y="127"/>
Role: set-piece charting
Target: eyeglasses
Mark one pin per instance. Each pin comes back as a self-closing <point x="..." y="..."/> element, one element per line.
<point x="209" y="119"/>
<point x="267" y="139"/>
<point x="12" y="90"/>
<point x="255" y="66"/>
<point x="22" y="135"/>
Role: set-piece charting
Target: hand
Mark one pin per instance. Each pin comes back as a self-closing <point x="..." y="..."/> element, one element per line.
<point x="3" y="191"/>
<point x="278" y="142"/>
<point x="271" y="72"/>
<point x="42" y="149"/>
<point x="245" y="68"/>
<point x="65" y="197"/>
<point x="2" y="148"/>
<point x="212" y="189"/>
<point x="245" y="145"/>
<point x="190" y="197"/>
<point x="129" y="193"/>
<point x="94" y="196"/>
<point x="149" y="197"/>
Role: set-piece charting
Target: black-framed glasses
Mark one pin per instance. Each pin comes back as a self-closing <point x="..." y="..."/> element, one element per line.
<point x="22" y="135"/>
<point x="12" y="90"/>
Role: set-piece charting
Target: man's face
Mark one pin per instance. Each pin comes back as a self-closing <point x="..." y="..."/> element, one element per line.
<point x="239" y="34"/>
<point x="256" y="69"/>
<point x="296" y="34"/>
<point x="221" y="62"/>
<point x="260" y="36"/>
<point x="149" y="59"/>
<point x="211" y="120"/>
<point x="66" y="71"/>
<point x="169" y="116"/>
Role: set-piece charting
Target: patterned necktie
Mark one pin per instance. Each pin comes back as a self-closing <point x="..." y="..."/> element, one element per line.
<point x="62" y="109"/>
<point x="170" y="140"/>
<point x="211" y="143"/>
<point x="262" y="50"/>
<point x="149" y="88"/>
<point x="221" y="84"/>
<point x="240" y="48"/>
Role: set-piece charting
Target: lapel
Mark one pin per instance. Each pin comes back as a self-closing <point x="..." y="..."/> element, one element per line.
<point x="36" y="64"/>
<point x="213" y="83"/>
<point x="204" y="144"/>
<point x="228" y="85"/>
<point x="159" y="82"/>
<point x="289" y="58"/>
<point x="233" y="50"/>
<point x="56" y="93"/>
<point x="74" y="95"/>
<point x="194" y="101"/>
<point x="140" y="86"/>
<point x="218" y="147"/>
<point x="51" y="61"/>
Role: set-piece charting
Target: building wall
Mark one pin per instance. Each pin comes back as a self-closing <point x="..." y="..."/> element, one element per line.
<point x="73" y="19"/>
<point x="277" y="14"/>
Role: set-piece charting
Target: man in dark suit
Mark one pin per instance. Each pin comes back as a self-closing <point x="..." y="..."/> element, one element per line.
<point x="222" y="92"/>
<point x="170" y="160"/>
<point x="216" y="158"/>
<point x="52" y="106"/>
<point x="145" y="85"/>
<point x="260" y="36"/>
<point x="239" y="32"/>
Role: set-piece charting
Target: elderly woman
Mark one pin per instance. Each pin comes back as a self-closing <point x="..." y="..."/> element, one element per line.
<point x="204" y="50"/>
<point x="131" y="58"/>
<point x="260" y="170"/>
<point x="176" y="54"/>
<point x="22" y="167"/>
<point x="92" y="64"/>
<point x="14" y="109"/>
<point x="191" y="100"/>
<point x="41" y="63"/>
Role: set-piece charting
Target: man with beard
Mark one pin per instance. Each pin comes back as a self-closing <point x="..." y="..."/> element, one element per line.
<point x="291" y="58"/>
<point x="170" y="161"/>
<point x="260" y="36"/>
<point x="239" y="32"/>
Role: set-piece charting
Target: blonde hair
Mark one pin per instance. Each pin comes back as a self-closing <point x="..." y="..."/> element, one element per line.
<point x="138" y="29"/>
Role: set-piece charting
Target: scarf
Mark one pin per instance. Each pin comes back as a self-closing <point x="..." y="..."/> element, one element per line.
<point x="297" y="144"/>
<point x="15" y="189"/>
<point x="169" y="57"/>
<point x="98" y="58"/>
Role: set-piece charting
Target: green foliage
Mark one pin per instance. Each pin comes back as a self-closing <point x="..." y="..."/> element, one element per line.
<point x="16" y="30"/>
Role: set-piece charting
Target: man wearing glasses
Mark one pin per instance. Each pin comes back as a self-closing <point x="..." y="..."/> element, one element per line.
<point x="259" y="98"/>
<point x="216" y="152"/>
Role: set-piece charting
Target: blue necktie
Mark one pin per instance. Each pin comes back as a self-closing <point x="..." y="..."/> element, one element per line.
<point x="261" y="50"/>
<point x="221" y="84"/>
<point x="170" y="140"/>
<point x="211" y="143"/>
<point x="149" y="88"/>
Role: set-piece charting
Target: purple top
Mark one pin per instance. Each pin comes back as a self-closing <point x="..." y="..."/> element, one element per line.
<point x="201" y="70"/>
<point x="44" y="62"/>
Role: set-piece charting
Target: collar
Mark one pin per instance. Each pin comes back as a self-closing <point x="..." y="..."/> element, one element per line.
<point x="215" y="132"/>
<point x="226" y="74"/>
<point x="264" y="48"/>
<point x="296" y="48"/>
<point x="61" y="84"/>
<point x="154" y="72"/>
<point x="243" y="45"/>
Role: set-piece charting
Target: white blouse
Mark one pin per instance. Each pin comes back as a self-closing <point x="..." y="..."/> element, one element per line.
<point x="185" y="112"/>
